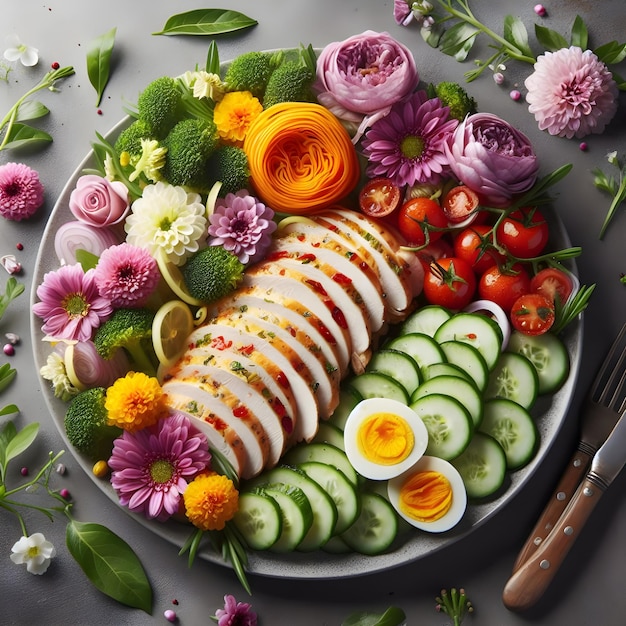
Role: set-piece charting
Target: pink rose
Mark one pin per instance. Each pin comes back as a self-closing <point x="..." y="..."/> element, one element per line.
<point x="98" y="202"/>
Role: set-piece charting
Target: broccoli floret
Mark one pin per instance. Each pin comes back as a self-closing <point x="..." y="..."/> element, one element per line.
<point x="130" y="330"/>
<point x="291" y="82"/>
<point x="159" y="105"/>
<point x="229" y="165"/>
<point x="129" y="140"/>
<point x="250" y="71"/>
<point x="454" y="96"/>
<point x="212" y="272"/>
<point x="189" y="145"/>
<point x="86" y="424"/>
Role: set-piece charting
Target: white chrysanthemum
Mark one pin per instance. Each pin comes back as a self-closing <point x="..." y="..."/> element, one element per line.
<point x="35" y="551"/>
<point x="54" y="370"/>
<point x="207" y="85"/>
<point x="167" y="220"/>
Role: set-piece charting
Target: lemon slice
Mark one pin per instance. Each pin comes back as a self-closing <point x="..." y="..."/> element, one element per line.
<point x="174" y="279"/>
<point x="172" y="324"/>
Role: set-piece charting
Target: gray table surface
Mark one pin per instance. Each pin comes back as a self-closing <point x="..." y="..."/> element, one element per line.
<point x="589" y="590"/>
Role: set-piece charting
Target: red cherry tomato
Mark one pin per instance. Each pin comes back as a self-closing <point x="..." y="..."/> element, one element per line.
<point x="552" y="283"/>
<point x="532" y="314"/>
<point x="524" y="233"/>
<point x="419" y="215"/>
<point x="473" y="244"/>
<point x="503" y="287"/>
<point x="459" y="203"/>
<point x="379" y="197"/>
<point x="449" y="282"/>
<point x="435" y="251"/>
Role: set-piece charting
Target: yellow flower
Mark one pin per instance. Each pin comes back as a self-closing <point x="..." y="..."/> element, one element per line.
<point x="234" y="114"/>
<point x="210" y="501"/>
<point x="134" y="402"/>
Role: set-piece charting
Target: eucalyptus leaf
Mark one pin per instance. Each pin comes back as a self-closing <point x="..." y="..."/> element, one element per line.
<point x="206" y="22"/>
<point x="458" y="40"/>
<point x="393" y="616"/>
<point x="550" y="39"/>
<point x="31" y="110"/>
<point x="22" y="135"/>
<point x="516" y="34"/>
<point x="110" y="564"/>
<point x="213" y="59"/>
<point x="611" y="52"/>
<point x="580" y="36"/>
<point x="99" y="61"/>
<point x="21" y="440"/>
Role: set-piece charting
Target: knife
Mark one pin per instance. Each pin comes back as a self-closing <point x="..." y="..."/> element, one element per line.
<point x="528" y="584"/>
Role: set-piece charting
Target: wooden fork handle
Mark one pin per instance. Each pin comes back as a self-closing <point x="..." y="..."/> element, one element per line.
<point x="528" y="584"/>
<point x="571" y="478"/>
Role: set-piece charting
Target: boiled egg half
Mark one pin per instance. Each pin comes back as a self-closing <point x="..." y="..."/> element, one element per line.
<point x="430" y="495"/>
<point x="383" y="438"/>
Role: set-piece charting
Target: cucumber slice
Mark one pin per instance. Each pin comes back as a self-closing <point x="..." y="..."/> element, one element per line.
<point x="482" y="466"/>
<point x="349" y="397"/>
<point x="296" y="512"/>
<point x="469" y="359"/>
<point x="339" y="488"/>
<point x="460" y="389"/>
<point x="375" y="528"/>
<point x="426" y="320"/>
<point x="475" y="329"/>
<point x="422" y="348"/>
<point x="446" y="369"/>
<point x="448" y="423"/>
<point x="375" y="385"/>
<point x="549" y="356"/>
<point x="259" y="520"/>
<point x="515" y="378"/>
<point x="398" y="365"/>
<point x="512" y="426"/>
<point x="329" y="433"/>
<point x="336" y="545"/>
<point x="322" y="453"/>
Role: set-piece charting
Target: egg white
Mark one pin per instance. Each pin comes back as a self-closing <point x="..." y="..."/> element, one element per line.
<point x="365" y="409"/>
<point x="459" y="494"/>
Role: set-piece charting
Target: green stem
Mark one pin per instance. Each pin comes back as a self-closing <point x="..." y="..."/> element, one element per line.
<point x="618" y="198"/>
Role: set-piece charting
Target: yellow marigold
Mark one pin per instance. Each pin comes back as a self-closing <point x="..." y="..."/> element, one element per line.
<point x="135" y="401"/>
<point x="234" y="114"/>
<point x="210" y="501"/>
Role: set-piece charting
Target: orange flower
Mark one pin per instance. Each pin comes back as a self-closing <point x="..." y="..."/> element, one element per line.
<point x="234" y="114"/>
<point x="134" y="402"/>
<point x="301" y="158"/>
<point x="210" y="501"/>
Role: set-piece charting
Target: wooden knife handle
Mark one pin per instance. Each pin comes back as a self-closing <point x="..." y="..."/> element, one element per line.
<point x="528" y="584"/>
<point x="571" y="478"/>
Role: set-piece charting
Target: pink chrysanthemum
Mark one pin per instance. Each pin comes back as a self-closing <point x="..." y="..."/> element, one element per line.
<point x="235" y="613"/>
<point x="571" y="93"/>
<point x="407" y="145"/>
<point x="21" y="191"/>
<point x="152" y="467"/>
<point x="126" y="275"/>
<point x="70" y="304"/>
<point x="243" y="225"/>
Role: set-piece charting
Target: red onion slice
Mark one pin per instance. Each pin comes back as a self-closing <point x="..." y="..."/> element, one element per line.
<point x="86" y="368"/>
<point x="75" y="235"/>
<point x="496" y="312"/>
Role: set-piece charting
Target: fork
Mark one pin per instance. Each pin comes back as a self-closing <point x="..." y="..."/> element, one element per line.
<point x="605" y="402"/>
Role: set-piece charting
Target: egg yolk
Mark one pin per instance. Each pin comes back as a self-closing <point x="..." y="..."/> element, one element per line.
<point x="426" y="496"/>
<point x="385" y="438"/>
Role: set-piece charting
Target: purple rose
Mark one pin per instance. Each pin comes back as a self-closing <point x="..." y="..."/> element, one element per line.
<point x="491" y="157"/>
<point x="98" y="202"/>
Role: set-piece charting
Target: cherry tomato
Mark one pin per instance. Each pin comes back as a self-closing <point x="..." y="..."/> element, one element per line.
<point x="504" y="287"/>
<point x="379" y="197"/>
<point x="418" y="215"/>
<point x="473" y="244"/>
<point x="449" y="282"/>
<point x="532" y="314"/>
<point x="552" y="283"/>
<point x="435" y="251"/>
<point x="459" y="204"/>
<point x="524" y="233"/>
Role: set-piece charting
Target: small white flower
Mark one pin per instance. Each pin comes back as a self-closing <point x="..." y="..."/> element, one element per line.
<point x="611" y="157"/>
<point x="17" y="51"/>
<point x="208" y="85"/>
<point x="54" y="370"/>
<point x="35" y="551"/>
<point x="151" y="161"/>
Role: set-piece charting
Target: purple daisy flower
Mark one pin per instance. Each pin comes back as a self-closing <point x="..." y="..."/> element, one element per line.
<point x="407" y="145"/>
<point x="235" y="613"/>
<point x="70" y="304"/>
<point x="21" y="191"/>
<point x="126" y="275"/>
<point x="152" y="467"/>
<point x="243" y="225"/>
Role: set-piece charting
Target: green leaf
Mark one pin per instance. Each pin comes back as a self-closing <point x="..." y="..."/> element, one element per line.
<point x="515" y="33"/>
<point x="31" y="110"/>
<point x="393" y="616"/>
<point x="99" y="61"/>
<point x="611" y="52"/>
<point x="206" y="22"/>
<point x="550" y="39"/>
<point x="458" y="40"/>
<point x="7" y="374"/>
<point x="9" y="409"/>
<point x="87" y="259"/>
<point x="22" y="135"/>
<point x="213" y="59"/>
<point x="580" y="36"/>
<point x="20" y="441"/>
<point x="110" y="564"/>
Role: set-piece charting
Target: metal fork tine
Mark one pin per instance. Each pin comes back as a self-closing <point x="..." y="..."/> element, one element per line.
<point x="609" y="383"/>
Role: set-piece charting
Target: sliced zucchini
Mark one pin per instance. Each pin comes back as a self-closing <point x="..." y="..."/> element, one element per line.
<point x="397" y="364"/>
<point x="469" y="359"/>
<point x="426" y="320"/>
<point x="259" y="520"/>
<point x="445" y="369"/>
<point x="515" y="378"/>
<point x="421" y="347"/>
<point x="322" y="453"/>
<point x="375" y="385"/>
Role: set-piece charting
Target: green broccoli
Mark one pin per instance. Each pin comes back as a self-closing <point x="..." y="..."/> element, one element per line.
<point x="129" y="140"/>
<point x="130" y="330"/>
<point x="86" y="424"/>
<point x="189" y="145"/>
<point x="212" y="272"/>
<point x="159" y="105"/>
<point x="229" y="165"/>
<point x="454" y="96"/>
<point x="290" y="82"/>
<point x="250" y="71"/>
